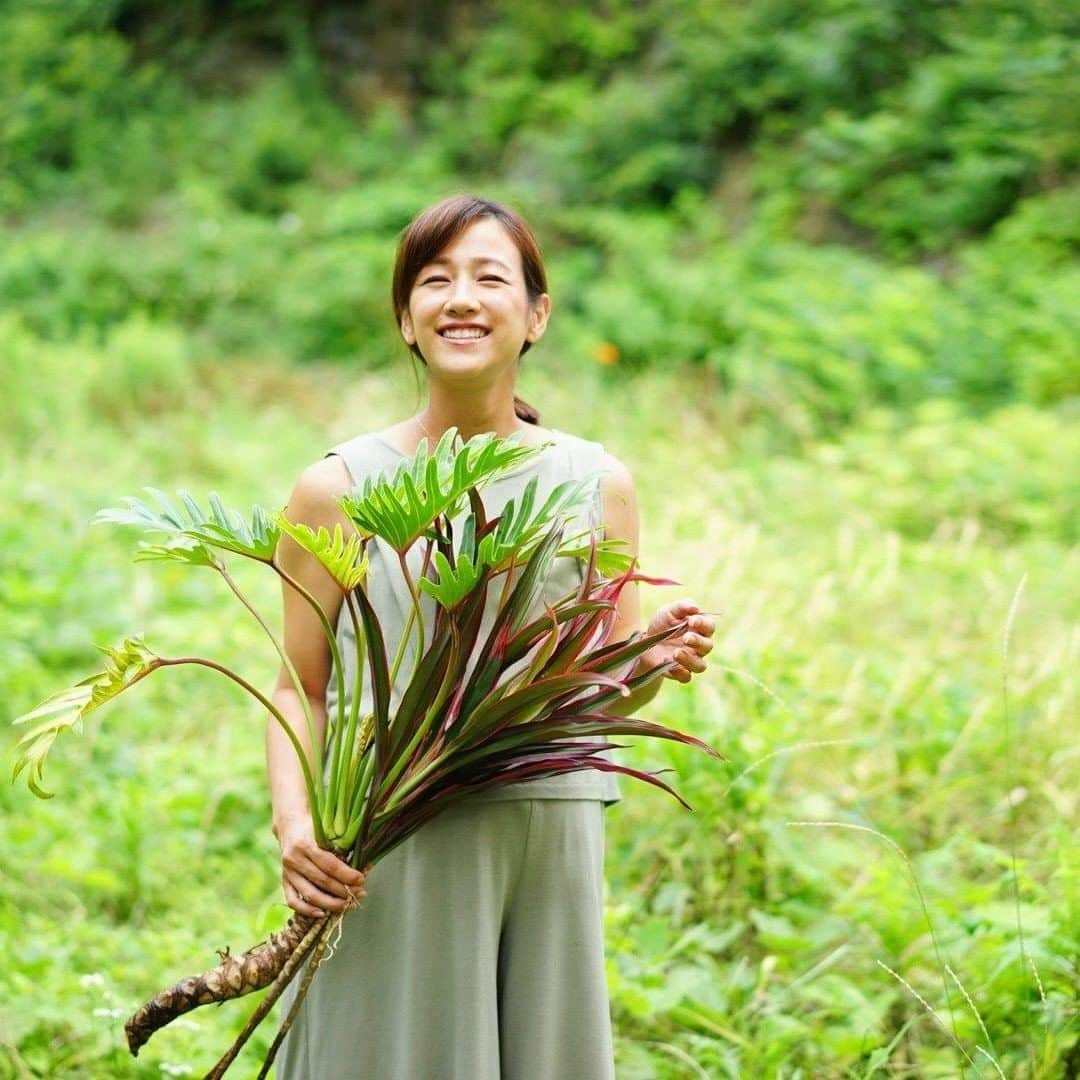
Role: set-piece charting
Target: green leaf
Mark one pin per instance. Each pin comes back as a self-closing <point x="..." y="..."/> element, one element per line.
<point x="518" y="531"/>
<point x="402" y="507"/>
<point x="454" y="582"/>
<point x="220" y="528"/>
<point x="610" y="561"/>
<point x="64" y="711"/>
<point x="345" y="560"/>
<point x="180" y="549"/>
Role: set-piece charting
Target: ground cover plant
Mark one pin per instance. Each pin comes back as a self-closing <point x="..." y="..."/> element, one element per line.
<point x="863" y="631"/>
<point x="525" y="701"/>
<point x="813" y="270"/>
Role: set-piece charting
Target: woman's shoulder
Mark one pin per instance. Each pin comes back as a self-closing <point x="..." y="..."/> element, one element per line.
<point x="364" y="455"/>
<point x="316" y="492"/>
<point x="592" y="454"/>
<point x="575" y="444"/>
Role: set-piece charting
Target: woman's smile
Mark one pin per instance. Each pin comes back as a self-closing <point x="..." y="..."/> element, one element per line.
<point x="463" y="333"/>
<point x="470" y="301"/>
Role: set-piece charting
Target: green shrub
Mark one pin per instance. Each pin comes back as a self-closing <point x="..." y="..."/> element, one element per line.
<point x="1009" y="471"/>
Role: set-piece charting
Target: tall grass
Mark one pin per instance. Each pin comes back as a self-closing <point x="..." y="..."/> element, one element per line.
<point x="857" y="679"/>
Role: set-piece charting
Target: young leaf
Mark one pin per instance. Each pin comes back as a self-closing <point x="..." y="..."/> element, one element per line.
<point x="345" y="560"/>
<point x="399" y="509"/>
<point x="64" y="711"/>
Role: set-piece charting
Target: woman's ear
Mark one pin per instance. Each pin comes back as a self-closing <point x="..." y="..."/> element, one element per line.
<point x="539" y="312"/>
<point x="407" y="328"/>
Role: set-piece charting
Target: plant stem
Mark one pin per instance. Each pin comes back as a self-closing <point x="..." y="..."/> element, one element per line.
<point x="313" y="791"/>
<point x="309" y="720"/>
<point x="317" y="954"/>
<point x="331" y="637"/>
<point x="416" y="614"/>
<point x="342" y="780"/>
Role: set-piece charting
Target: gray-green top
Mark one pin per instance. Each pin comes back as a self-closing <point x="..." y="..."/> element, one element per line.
<point x="566" y="457"/>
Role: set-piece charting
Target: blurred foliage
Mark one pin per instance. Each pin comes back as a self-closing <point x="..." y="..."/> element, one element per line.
<point x="863" y="585"/>
<point x="832" y="206"/>
<point x="833" y="242"/>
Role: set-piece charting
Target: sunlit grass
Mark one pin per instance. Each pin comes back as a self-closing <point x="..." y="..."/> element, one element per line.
<point x="857" y="679"/>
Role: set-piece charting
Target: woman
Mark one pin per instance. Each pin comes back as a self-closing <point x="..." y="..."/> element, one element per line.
<point x="479" y="953"/>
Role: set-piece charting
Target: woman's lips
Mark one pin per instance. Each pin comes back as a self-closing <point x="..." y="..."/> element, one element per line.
<point x="467" y="338"/>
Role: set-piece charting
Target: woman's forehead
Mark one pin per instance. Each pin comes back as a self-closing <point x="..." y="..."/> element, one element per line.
<point x="484" y="240"/>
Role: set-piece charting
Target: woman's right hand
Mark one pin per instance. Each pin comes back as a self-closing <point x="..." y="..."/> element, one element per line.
<point x="315" y="881"/>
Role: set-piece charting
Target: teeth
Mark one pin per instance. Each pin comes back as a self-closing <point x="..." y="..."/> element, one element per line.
<point x="464" y="334"/>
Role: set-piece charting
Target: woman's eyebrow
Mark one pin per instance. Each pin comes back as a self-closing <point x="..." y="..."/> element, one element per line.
<point x="442" y="260"/>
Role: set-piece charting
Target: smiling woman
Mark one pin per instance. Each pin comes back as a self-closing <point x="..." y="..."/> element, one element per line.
<point x="458" y="254"/>
<point x="478" y="952"/>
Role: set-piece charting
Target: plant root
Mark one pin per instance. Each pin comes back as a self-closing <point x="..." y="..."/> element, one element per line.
<point x="317" y="956"/>
<point x="316" y="936"/>
<point x="234" y="977"/>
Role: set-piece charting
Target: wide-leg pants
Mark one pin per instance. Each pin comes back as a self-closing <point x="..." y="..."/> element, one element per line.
<point x="477" y="954"/>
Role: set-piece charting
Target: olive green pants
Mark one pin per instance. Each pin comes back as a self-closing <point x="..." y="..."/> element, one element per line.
<point x="478" y="954"/>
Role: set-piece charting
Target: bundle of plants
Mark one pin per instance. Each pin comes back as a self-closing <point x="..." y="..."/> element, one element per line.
<point x="531" y="697"/>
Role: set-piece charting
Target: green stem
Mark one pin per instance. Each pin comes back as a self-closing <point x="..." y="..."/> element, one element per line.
<point x="406" y="786"/>
<point x="361" y="801"/>
<point x="316" y="745"/>
<point x="305" y="765"/>
<point x="416" y="614"/>
<point x="340" y="784"/>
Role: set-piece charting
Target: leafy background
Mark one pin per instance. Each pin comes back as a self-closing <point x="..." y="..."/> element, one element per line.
<point x="811" y="269"/>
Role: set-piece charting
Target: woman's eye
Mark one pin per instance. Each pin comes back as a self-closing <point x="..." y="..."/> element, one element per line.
<point x="430" y="280"/>
<point x="493" y="277"/>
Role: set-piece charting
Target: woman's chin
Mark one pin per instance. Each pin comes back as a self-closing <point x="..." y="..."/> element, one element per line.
<point x="473" y="359"/>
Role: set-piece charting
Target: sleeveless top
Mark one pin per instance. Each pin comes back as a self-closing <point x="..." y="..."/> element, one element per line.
<point x="567" y="457"/>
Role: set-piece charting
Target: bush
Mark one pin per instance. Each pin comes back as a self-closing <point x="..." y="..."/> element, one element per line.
<point x="1009" y="471"/>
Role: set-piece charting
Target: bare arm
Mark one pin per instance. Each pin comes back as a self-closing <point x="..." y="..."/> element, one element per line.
<point x="622" y="522"/>
<point x="314" y="880"/>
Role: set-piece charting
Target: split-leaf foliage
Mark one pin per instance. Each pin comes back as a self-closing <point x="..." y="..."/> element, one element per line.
<point x="525" y="700"/>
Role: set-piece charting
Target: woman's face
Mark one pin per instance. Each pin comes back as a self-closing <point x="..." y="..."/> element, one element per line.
<point x="469" y="311"/>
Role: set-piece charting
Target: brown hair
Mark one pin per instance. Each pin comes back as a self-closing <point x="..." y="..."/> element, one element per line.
<point x="432" y="229"/>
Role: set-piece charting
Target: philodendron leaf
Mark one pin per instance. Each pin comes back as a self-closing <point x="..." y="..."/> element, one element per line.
<point x="345" y="560"/>
<point x="220" y="528"/>
<point x="179" y="549"/>
<point x="514" y="535"/>
<point x="402" y="507"/>
<point x="64" y="711"/>
<point x="518" y="531"/>
<point x="454" y="582"/>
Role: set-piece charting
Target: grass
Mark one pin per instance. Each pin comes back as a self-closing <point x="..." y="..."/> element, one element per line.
<point x="857" y="681"/>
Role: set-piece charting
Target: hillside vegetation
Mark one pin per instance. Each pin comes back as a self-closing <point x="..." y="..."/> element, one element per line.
<point x="814" y="274"/>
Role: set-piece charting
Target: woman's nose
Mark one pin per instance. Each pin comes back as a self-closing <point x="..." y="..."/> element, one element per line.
<point x="462" y="297"/>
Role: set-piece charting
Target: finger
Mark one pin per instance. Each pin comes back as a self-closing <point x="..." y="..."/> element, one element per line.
<point x="691" y="661"/>
<point x="336" y="868"/>
<point x="703" y="624"/>
<point x="310" y="893"/>
<point x="678" y="673"/>
<point x="302" y="869"/>
<point x="700" y="645"/>
<point x="685" y="608"/>
<point x="299" y="903"/>
<point x="324" y="869"/>
<point x="329" y="884"/>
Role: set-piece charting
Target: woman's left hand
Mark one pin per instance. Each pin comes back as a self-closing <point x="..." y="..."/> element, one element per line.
<point x="688" y="649"/>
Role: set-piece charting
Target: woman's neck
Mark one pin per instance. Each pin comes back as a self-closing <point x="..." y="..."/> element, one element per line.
<point x="473" y="411"/>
